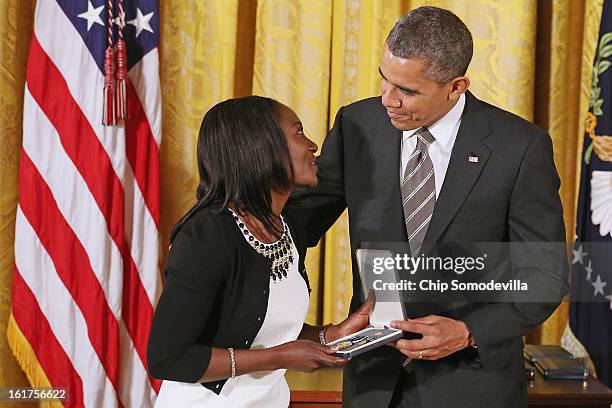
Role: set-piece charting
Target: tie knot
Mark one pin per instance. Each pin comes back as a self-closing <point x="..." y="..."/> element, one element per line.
<point x="425" y="138"/>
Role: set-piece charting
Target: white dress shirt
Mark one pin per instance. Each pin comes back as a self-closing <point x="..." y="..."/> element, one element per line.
<point x="445" y="132"/>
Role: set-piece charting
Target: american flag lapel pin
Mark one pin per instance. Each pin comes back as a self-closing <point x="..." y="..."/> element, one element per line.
<point x="473" y="159"/>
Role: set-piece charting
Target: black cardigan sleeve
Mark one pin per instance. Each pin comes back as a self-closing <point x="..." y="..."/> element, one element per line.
<point x="196" y="269"/>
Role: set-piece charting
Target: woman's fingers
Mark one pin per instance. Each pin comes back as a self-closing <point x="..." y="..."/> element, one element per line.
<point x="328" y="358"/>
<point x="324" y="348"/>
<point x="332" y="361"/>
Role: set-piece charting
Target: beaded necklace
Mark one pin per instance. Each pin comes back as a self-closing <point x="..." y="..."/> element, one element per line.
<point x="279" y="252"/>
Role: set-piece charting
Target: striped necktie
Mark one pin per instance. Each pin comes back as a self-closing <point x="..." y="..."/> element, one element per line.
<point x="419" y="191"/>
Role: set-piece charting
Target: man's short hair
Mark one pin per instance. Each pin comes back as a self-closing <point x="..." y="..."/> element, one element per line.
<point x="436" y="36"/>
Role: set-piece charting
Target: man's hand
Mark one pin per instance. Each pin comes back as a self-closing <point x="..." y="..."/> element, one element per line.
<point x="441" y="337"/>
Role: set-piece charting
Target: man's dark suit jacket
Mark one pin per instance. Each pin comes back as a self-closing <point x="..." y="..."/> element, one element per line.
<point x="509" y="195"/>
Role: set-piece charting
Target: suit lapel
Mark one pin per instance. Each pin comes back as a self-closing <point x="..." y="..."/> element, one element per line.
<point x="462" y="173"/>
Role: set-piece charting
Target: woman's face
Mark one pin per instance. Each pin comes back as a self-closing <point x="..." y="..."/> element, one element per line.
<point x="302" y="149"/>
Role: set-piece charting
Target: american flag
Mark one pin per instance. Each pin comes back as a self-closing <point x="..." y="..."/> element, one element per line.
<point x="86" y="244"/>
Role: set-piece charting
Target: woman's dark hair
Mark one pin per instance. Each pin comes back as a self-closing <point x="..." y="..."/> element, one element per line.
<point x="242" y="157"/>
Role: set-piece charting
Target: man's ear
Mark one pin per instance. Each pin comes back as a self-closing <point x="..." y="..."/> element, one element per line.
<point x="458" y="86"/>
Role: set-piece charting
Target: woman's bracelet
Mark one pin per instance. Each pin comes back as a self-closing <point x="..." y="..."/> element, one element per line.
<point x="322" y="334"/>
<point x="232" y="361"/>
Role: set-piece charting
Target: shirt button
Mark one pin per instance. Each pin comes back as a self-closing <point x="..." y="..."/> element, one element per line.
<point x="259" y="319"/>
<point x="265" y="291"/>
<point x="217" y="386"/>
<point x="246" y="342"/>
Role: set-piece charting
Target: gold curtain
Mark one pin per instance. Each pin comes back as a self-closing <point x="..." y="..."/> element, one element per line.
<point x="196" y="72"/>
<point x="532" y="58"/>
<point x="204" y="59"/>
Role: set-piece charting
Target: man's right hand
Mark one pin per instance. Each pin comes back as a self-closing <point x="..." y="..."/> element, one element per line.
<point x="307" y="356"/>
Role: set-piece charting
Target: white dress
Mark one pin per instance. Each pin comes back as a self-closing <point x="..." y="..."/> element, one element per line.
<point x="287" y="307"/>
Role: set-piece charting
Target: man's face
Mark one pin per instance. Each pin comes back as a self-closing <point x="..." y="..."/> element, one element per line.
<point x="411" y="98"/>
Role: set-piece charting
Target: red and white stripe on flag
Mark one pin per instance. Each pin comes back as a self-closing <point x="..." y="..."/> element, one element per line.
<point x="86" y="242"/>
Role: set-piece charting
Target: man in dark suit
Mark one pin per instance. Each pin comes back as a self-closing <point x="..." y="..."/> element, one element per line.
<point x="429" y="162"/>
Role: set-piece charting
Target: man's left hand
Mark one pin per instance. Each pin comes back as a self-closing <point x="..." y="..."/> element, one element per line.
<point x="441" y="337"/>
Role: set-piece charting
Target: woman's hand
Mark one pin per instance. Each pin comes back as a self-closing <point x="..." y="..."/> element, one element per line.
<point x="355" y="322"/>
<point x="306" y="355"/>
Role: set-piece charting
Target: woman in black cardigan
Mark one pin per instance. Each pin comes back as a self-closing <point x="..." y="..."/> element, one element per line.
<point x="236" y="292"/>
